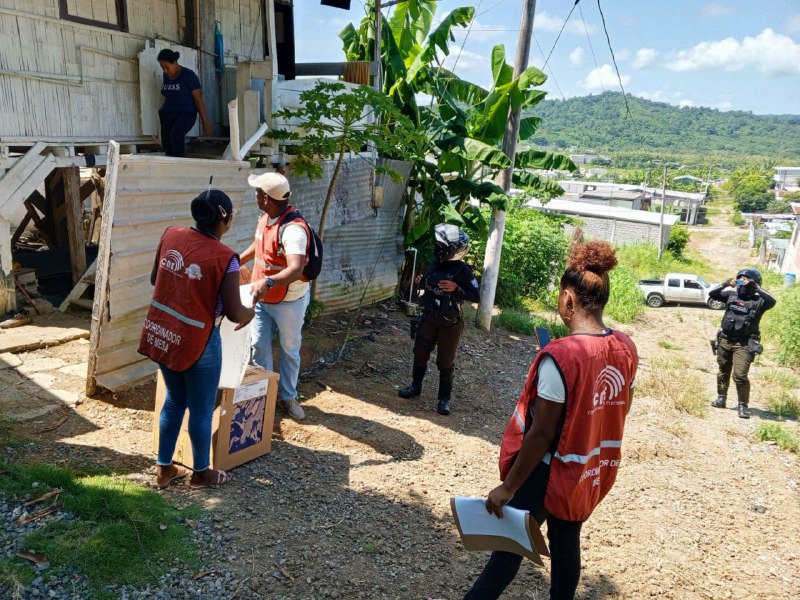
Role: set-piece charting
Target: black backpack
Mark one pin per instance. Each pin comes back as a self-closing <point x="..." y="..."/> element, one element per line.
<point x="313" y="250"/>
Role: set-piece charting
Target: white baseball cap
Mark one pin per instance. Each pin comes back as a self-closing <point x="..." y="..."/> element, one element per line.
<point x="274" y="185"/>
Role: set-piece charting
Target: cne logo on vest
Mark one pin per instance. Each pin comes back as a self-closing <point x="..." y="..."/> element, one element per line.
<point x="172" y="261"/>
<point x="607" y="387"/>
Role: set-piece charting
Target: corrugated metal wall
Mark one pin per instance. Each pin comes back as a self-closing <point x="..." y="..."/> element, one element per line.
<point x="363" y="246"/>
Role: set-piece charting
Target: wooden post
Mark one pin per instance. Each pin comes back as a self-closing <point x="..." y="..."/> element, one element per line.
<point x="494" y="244"/>
<point x="74" y="216"/>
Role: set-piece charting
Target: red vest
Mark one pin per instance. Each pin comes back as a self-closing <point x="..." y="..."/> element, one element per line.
<point x="181" y="314"/>
<point x="270" y="258"/>
<point x="597" y="372"/>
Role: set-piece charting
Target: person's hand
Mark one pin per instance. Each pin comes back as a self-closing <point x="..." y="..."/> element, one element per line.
<point x="447" y="286"/>
<point x="208" y="129"/>
<point x="258" y="288"/>
<point x="417" y="279"/>
<point x="497" y="498"/>
<point x="732" y="282"/>
<point x="243" y="323"/>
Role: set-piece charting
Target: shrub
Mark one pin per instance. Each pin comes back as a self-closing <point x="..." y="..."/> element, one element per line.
<point x="678" y="240"/>
<point x="781" y="327"/>
<point x="534" y="253"/>
<point x="784" y="404"/>
<point x="737" y="219"/>
<point x="776" y="432"/>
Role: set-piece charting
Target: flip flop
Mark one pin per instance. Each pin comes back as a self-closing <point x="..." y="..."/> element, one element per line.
<point x="220" y="478"/>
<point x="182" y="472"/>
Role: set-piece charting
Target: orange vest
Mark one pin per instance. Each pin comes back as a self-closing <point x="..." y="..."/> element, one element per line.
<point x="597" y="371"/>
<point x="270" y="258"/>
<point x="191" y="267"/>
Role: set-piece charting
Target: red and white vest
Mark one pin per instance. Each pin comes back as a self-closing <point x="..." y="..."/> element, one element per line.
<point x="598" y="371"/>
<point x="191" y="267"/>
<point x="270" y="257"/>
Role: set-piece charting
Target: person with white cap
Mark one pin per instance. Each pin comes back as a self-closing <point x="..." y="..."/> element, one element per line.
<point x="280" y="291"/>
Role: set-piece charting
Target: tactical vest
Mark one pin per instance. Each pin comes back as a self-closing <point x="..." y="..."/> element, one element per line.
<point x="270" y="258"/>
<point x="438" y="303"/>
<point x="597" y="373"/>
<point x="741" y="318"/>
<point x="191" y="267"/>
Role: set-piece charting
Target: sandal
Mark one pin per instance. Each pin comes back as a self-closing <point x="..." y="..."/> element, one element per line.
<point x="181" y="471"/>
<point x="219" y="478"/>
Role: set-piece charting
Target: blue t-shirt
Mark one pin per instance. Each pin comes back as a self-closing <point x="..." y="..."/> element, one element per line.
<point x="178" y="92"/>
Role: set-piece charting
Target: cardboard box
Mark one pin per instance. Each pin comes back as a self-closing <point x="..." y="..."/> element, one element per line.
<point x="241" y="428"/>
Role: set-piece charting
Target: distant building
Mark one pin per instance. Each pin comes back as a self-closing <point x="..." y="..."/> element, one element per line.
<point x="610" y="223"/>
<point x="786" y="179"/>
<point x="687" y="179"/>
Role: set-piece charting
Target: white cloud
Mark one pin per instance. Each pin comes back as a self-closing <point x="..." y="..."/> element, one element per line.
<point x="686" y="103"/>
<point x="657" y="96"/>
<point x="602" y="77"/>
<point x="793" y="23"/>
<point x="576" y="57"/>
<point x="725" y="106"/>
<point x="466" y="61"/>
<point x="771" y="53"/>
<point x="717" y="9"/>
<point x="622" y="55"/>
<point x="544" y="22"/>
<point x="644" y="58"/>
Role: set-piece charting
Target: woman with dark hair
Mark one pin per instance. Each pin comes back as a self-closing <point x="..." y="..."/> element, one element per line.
<point x="183" y="100"/>
<point x="562" y="447"/>
<point x="196" y="280"/>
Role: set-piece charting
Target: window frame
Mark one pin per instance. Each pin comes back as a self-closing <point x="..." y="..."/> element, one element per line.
<point x="674" y="283"/>
<point x="122" y="16"/>
<point x="691" y="284"/>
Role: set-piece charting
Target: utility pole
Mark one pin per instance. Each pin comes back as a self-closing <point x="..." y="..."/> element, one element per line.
<point x="494" y="244"/>
<point x="378" y="62"/>
<point x="661" y="222"/>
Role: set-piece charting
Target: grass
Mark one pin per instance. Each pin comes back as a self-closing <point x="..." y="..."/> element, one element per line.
<point x="671" y="381"/>
<point x="781" y="435"/>
<point x="524" y="322"/>
<point x="781" y="326"/>
<point x="787" y="381"/>
<point x="122" y="532"/>
<point x="669" y="346"/>
<point x="784" y="404"/>
<point x="9" y="433"/>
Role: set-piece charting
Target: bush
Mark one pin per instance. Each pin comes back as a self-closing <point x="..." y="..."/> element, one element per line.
<point x="643" y="260"/>
<point x="781" y="327"/>
<point x="534" y="253"/>
<point x="737" y="219"/>
<point x="678" y="240"/>
<point x="776" y="432"/>
<point x="626" y="301"/>
<point x="784" y="404"/>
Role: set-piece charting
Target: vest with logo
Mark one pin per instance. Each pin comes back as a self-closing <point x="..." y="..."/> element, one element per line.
<point x="597" y="372"/>
<point x="741" y="319"/>
<point x="179" y="321"/>
<point x="270" y="257"/>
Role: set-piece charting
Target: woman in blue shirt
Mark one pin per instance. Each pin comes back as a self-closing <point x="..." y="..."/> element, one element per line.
<point x="183" y="101"/>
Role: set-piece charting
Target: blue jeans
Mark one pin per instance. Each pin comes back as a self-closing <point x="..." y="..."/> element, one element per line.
<point x="195" y="389"/>
<point x="287" y="318"/>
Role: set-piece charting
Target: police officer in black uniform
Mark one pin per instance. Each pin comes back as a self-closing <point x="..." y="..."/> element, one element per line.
<point x="446" y="284"/>
<point x="738" y="341"/>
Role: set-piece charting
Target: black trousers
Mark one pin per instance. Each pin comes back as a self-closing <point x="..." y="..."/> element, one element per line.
<point x="174" y="127"/>
<point x="445" y="333"/>
<point x="564" y="539"/>
<point x="734" y="357"/>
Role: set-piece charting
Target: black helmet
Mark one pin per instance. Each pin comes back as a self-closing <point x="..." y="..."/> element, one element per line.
<point x="451" y="243"/>
<point x="752" y="274"/>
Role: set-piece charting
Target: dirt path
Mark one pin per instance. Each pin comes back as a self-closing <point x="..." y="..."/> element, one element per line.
<point x="354" y="501"/>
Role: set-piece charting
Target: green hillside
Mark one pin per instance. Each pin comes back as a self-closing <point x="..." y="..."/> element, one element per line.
<point x="598" y="122"/>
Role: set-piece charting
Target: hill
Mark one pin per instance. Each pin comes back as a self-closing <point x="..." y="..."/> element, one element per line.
<point x="598" y="122"/>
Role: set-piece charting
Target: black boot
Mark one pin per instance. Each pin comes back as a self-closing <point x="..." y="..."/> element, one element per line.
<point x="415" y="389"/>
<point x="445" y="390"/>
<point x="719" y="402"/>
<point x="744" y="411"/>
<point x="743" y="395"/>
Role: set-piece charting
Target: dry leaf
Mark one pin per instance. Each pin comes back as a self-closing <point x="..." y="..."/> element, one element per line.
<point x="202" y="574"/>
<point x="43" y="497"/>
<point x="36" y="516"/>
<point x="162" y="527"/>
<point x="33" y="556"/>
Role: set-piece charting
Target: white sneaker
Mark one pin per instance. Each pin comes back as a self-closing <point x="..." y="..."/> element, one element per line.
<point x="294" y="409"/>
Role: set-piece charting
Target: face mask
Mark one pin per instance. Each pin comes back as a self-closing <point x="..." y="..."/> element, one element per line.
<point x="740" y="283"/>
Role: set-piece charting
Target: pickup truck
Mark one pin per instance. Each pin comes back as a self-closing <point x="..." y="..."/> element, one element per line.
<point x="681" y="288"/>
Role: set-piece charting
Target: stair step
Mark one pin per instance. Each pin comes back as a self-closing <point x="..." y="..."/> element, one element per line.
<point x="89" y="279"/>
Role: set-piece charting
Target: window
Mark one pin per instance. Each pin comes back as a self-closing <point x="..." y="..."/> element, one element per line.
<point x="691" y="284"/>
<point x="674" y="283"/>
<point x="111" y="14"/>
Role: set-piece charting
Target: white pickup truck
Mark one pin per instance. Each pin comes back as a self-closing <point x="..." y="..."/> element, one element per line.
<point x="680" y="288"/>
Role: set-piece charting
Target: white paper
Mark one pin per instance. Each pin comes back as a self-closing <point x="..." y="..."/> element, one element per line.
<point x="235" y="346"/>
<point x="474" y="520"/>
<point x="254" y="389"/>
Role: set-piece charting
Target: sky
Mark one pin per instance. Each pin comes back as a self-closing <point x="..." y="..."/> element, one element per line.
<point x="734" y="55"/>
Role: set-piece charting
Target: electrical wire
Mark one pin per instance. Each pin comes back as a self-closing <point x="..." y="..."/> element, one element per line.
<point x="549" y="69"/>
<point x="591" y="47"/>
<point x="558" y="37"/>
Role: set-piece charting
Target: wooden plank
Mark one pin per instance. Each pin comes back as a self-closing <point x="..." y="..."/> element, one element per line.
<point x="129" y="376"/>
<point x="74" y="215"/>
<point x="80" y="287"/>
<point x="103" y="263"/>
<point x="16" y="176"/>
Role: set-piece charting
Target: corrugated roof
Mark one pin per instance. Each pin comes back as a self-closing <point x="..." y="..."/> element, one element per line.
<point x="569" y="207"/>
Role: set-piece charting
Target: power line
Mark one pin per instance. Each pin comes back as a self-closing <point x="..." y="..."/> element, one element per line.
<point x="550" y="70"/>
<point x="558" y="37"/>
<point x="591" y="47"/>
